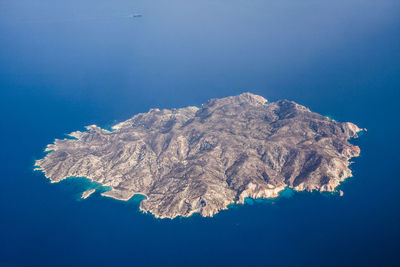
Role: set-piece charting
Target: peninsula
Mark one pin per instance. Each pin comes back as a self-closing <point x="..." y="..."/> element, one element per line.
<point x="200" y="160"/>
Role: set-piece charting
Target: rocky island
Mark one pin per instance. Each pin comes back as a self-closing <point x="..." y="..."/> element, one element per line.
<point x="200" y="160"/>
<point x="87" y="193"/>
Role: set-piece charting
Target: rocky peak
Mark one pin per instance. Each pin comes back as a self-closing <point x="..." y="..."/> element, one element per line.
<point x="244" y="98"/>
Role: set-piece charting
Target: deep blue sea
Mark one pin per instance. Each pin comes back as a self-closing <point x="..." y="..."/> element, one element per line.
<point x="67" y="64"/>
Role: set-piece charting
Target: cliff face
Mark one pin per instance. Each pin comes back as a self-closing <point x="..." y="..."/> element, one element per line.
<point x="203" y="159"/>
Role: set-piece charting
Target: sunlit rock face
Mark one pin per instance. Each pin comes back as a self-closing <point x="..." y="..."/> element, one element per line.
<point x="200" y="160"/>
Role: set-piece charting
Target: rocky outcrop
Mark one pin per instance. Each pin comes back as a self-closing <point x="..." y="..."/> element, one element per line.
<point x="87" y="193"/>
<point x="200" y="160"/>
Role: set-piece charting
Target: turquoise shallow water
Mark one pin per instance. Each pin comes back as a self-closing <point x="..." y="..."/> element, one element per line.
<point x="80" y="184"/>
<point x="67" y="64"/>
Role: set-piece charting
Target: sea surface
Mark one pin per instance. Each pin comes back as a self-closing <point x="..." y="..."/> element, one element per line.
<point x="68" y="64"/>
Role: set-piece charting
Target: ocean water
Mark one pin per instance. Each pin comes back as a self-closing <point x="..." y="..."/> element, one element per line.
<point x="67" y="64"/>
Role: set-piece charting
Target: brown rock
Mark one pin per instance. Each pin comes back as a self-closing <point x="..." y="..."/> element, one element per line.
<point x="201" y="160"/>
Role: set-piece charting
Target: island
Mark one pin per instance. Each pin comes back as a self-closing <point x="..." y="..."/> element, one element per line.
<point x="87" y="193"/>
<point x="203" y="159"/>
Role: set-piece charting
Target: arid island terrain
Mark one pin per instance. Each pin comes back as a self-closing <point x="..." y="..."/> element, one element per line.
<point x="200" y="160"/>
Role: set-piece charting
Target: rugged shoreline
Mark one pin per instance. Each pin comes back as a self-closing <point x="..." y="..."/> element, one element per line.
<point x="201" y="160"/>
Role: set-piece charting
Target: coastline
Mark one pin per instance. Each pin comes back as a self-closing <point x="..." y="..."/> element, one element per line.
<point x="74" y="156"/>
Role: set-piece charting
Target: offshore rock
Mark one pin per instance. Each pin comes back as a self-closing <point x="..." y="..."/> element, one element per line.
<point x="87" y="193"/>
<point x="200" y="160"/>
